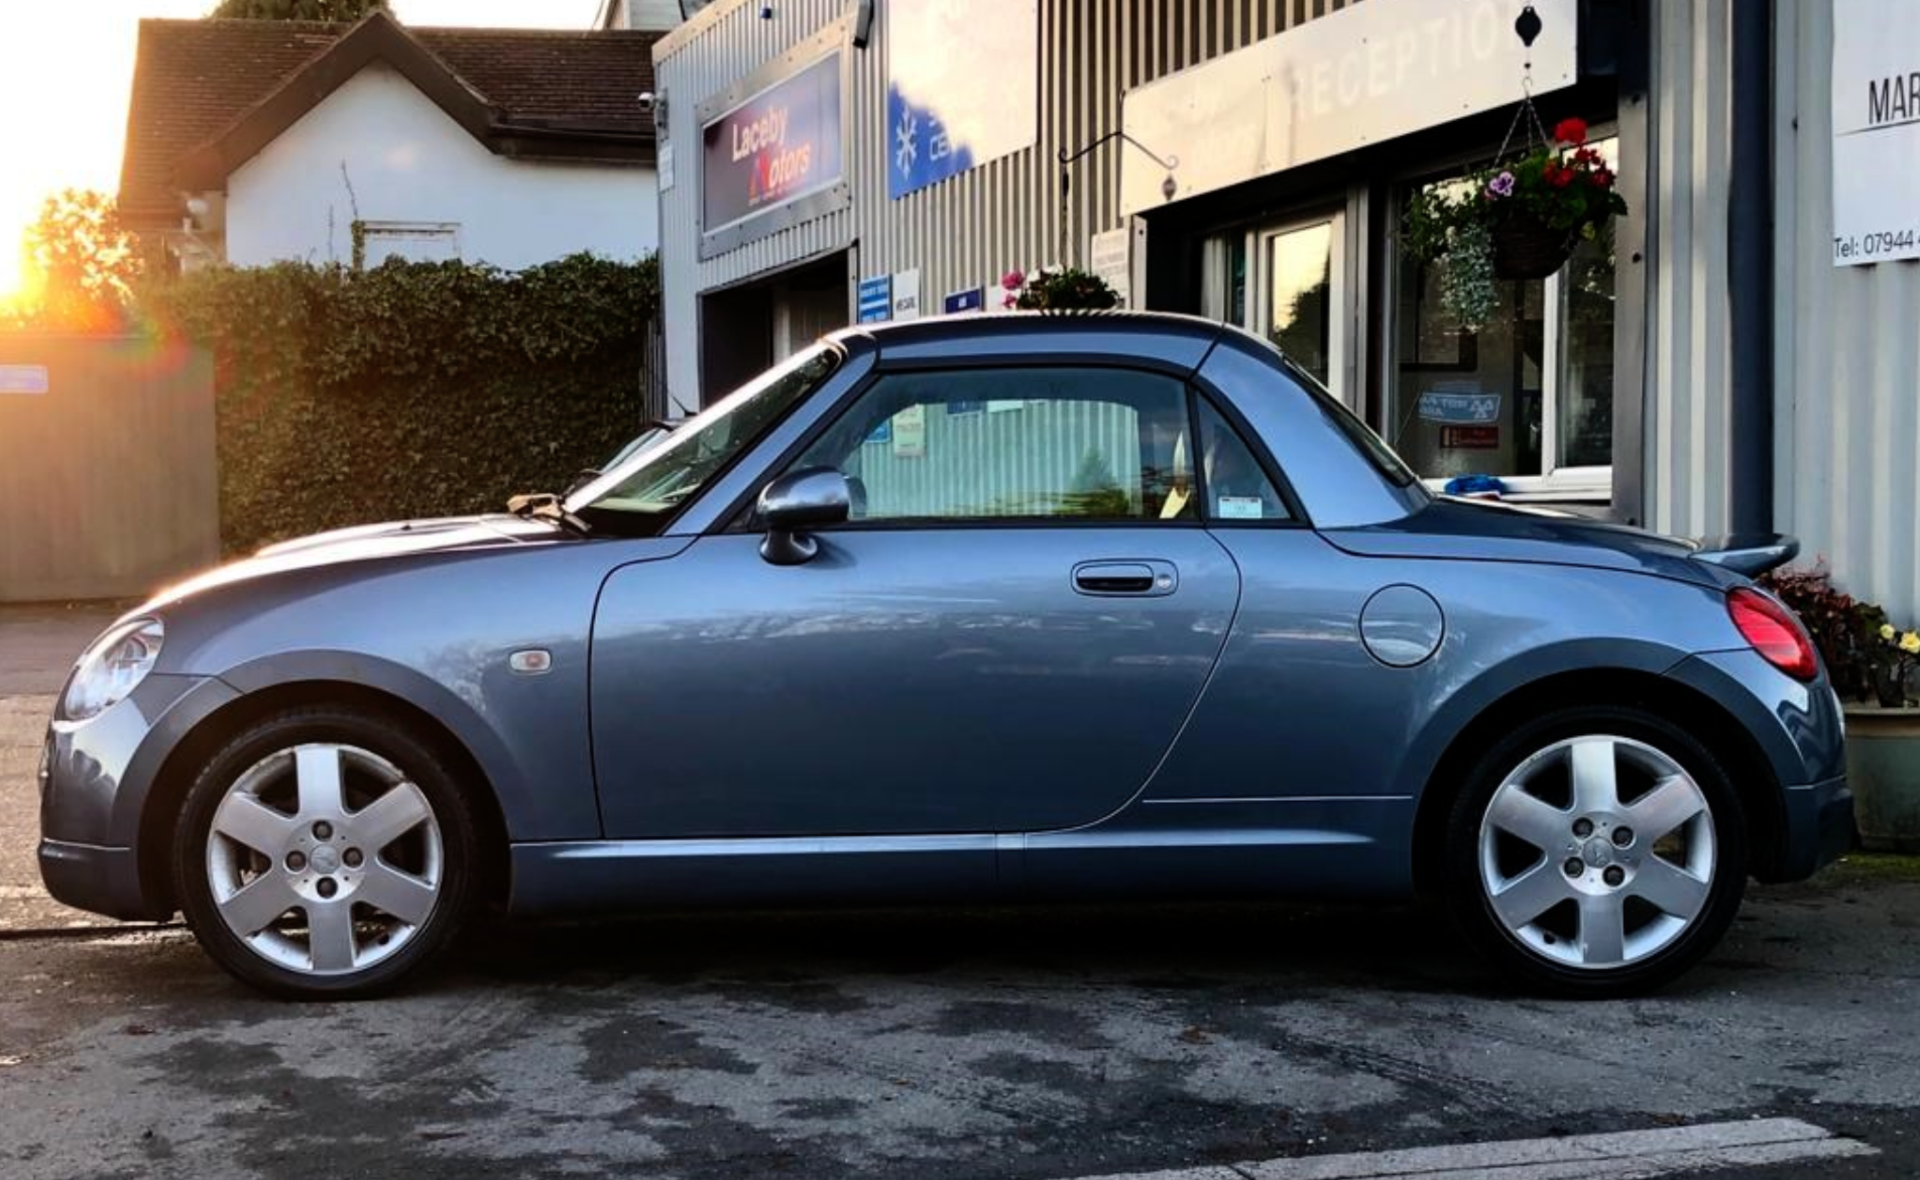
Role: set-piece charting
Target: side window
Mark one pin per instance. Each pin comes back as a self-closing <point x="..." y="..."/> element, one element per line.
<point x="1009" y="444"/>
<point x="1237" y="486"/>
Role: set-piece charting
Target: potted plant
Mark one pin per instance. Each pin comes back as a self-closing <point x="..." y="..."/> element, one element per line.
<point x="1057" y="288"/>
<point x="1871" y="663"/>
<point x="1518" y="220"/>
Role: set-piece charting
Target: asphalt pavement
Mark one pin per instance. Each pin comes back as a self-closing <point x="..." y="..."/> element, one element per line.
<point x="1203" y="1043"/>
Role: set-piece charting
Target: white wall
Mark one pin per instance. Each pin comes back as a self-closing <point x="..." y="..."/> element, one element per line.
<point x="409" y="162"/>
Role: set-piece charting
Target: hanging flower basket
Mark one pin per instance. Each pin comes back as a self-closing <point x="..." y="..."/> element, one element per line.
<point x="1518" y="220"/>
<point x="1524" y="247"/>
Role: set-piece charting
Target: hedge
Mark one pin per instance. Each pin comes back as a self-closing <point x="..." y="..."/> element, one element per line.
<point x="412" y="389"/>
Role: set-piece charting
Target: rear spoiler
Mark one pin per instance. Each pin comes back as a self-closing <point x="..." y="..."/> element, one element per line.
<point x="1752" y="554"/>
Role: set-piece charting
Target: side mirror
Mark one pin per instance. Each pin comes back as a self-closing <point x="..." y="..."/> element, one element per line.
<point x="798" y="500"/>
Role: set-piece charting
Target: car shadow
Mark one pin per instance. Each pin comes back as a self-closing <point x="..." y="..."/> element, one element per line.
<point x="1173" y="946"/>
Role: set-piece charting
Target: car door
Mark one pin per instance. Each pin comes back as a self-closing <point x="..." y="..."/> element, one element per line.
<point x="1006" y="636"/>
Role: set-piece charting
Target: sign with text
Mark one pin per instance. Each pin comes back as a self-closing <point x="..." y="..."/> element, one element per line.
<point x="1876" y="131"/>
<point x="30" y="380"/>
<point x="874" y="301"/>
<point x="906" y="295"/>
<point x="963" y="88"/>
<point x="1110" y="255"/>
<point x="1459" y="408"/>
<point x="1359" y="76"/>
<point x="778" y="146"/>
<point x="967" y="302"/>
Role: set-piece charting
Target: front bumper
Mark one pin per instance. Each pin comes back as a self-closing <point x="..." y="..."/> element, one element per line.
<point x="96" y="778"/>
<point x="101" y="880"/>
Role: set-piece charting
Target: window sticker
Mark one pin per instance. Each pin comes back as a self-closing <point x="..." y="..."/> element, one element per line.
<point x="1237" y="507"/>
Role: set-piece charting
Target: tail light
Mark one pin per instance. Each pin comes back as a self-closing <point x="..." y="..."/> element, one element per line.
<point x="1774" y="632"/>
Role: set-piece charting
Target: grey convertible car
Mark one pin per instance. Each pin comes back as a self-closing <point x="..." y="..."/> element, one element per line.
<point x="1008" y="607"/>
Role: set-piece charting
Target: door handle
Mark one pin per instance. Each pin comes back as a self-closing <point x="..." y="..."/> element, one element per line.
<point x="1130" y="579"/>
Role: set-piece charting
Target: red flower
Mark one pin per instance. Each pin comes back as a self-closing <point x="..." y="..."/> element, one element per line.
<point x="1557" y="176"/>
<point x="1602" y="179"/>
<point x="1573" y="131"/>
<point x="1586" y="155"/>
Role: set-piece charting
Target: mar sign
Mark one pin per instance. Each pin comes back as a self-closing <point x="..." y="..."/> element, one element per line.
<point x="775" y="148"/>
<point x="963" y="87"/>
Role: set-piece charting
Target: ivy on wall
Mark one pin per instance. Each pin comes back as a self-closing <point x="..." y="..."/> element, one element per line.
<point x="412" y="389"/>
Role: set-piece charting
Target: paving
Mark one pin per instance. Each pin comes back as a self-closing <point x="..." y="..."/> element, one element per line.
<point x="1185" y="1043"/>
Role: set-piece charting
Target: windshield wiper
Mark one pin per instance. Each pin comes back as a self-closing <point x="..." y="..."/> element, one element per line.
<point x="548" y="507"/>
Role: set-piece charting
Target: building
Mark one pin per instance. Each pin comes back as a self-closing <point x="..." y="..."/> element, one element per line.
<point x="828" y="160"/>
<point x="254" y="141"/>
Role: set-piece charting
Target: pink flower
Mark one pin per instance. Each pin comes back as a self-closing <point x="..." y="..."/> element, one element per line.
<point x="1012" y="280"/>
<point x="1009" y="302"/>
<point x="1501" y="185"/>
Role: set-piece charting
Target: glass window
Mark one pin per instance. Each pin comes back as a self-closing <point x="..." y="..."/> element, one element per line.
<point x="654" y="481"/>
<point x="1237" y="486"/>
<point x="1088" y="444"/>
<point x="1529" y="396"/>
<point x="1300" y="296"/>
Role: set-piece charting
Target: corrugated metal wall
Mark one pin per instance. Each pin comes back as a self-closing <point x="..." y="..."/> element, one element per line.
<point x="965" y="231"/>
<point x="1685" y="440"/>
<point x="1848" y="417"/>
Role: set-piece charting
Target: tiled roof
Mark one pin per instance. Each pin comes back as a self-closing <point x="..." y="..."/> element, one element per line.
<point x="194" y="80"/>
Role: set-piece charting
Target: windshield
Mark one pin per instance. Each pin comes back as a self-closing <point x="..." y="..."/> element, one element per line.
<point x="652" y="483"/>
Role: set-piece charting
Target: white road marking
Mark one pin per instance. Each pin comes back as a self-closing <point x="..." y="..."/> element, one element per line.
<point x="1625" y="1155"/>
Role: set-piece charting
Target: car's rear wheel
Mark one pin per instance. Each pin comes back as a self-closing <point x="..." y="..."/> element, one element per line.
<point x="324" y="854"/>
<point x="1597" y="851"/>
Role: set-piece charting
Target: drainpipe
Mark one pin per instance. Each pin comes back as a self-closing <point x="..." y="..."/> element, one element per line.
<point x="1750" y="271"/>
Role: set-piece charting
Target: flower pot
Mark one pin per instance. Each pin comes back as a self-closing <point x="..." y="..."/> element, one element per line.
<point x="1883" y="770"/>
<point x="1524" y="247"/>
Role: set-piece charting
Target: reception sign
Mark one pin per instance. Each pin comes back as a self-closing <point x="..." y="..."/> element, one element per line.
<point x="775" y="148"/>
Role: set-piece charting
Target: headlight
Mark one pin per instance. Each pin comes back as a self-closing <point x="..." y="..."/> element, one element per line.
<point x="111" y="667"/>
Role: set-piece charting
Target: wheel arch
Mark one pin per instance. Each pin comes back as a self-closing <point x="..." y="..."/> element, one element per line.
<point x="1745" y="760"/>
<point x="161" y="809"/>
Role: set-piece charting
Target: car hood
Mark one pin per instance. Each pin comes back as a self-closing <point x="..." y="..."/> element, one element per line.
<point x="373" y="542"/>
<point x="1479" y="530"/>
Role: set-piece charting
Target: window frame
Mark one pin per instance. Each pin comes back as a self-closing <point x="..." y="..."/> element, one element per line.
<point x="745" y="519"/>
<point x="1555" y="484"/>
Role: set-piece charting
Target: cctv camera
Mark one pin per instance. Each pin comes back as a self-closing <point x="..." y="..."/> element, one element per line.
<point x="646" y="101"/>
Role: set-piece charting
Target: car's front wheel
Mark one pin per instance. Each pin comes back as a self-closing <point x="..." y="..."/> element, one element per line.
<point x="324" y="853"/>
<point x="1597" y="851"/>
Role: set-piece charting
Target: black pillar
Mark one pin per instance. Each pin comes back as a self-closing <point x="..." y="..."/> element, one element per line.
<point x="1750" y="270"/>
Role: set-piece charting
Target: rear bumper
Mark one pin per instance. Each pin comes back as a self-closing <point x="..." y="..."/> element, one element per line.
<point x="1817" y="832"/>
<point x="1800" y="735"/>
<point x="100" y="880"/>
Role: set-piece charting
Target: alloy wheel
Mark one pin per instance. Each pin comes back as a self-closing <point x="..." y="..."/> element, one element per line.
<point x="325" y="859"/>
<point x="1597" y="852"/>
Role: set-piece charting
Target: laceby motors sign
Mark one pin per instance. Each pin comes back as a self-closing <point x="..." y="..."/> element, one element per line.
<point x="775" y="148"/>
<point x="1876" y="131"/>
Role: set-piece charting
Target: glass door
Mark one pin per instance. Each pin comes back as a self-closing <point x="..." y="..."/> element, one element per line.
<point x="1286" y="281"/>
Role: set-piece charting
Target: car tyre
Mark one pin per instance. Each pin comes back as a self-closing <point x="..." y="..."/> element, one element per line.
<point x="325" y="853"/>
<point x="1596" y="852"/>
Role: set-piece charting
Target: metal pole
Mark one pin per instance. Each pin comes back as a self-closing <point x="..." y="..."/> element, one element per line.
<point x="1750" y="270"/>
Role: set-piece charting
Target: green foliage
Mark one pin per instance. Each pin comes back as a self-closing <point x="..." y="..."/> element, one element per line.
<point x="81" y="264"/>
<point x="412" y="389"/>
<point x="1564" y="190"/>
<point x="319" y="10"/>
<point x="1058" y="288"/>
<point x="1857" y="643"/>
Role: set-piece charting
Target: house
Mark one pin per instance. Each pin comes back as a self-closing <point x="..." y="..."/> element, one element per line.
<point x="252" y="141"/>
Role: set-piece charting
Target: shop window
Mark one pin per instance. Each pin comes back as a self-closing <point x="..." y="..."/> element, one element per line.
<point x="1080" y="444"/>
<point x="1285" y="281"/>
<point x="1527" y="398"/>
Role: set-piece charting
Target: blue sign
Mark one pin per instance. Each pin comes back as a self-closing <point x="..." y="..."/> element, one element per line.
<point x="963" y="88"/>
<point x="1459" y="408"/>
<point x="875" y="301"/>
<point x="776" y="147"/>
<point x="960" y="302"/>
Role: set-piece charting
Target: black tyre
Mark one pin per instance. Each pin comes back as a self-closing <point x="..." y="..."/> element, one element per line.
<point x="1596" y="851"/>
<point x="325" y="853"/>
